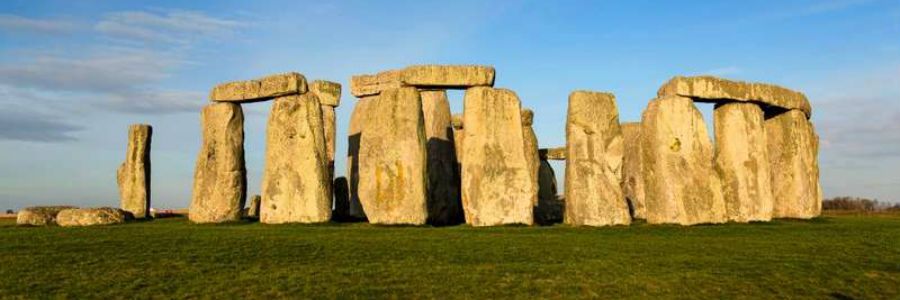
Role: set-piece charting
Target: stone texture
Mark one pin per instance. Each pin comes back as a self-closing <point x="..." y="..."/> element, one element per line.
<point x="793" y="152"/>
<point x="550" y="207"/>
<point x="444" y="205"/>
<point x="341" y="193"/>
<point x="253" y="208"/>
<point x="458" y="135"/>
<point x="527" y="117"/>
<point x="742" y="161"/>
<point x="261" y="89"/>
<point x="558" y="153"/>
<point x="633" y="180"/>
<point x="594" y="162"/>
<point x="39" y="215"/>
<point x="497" y="184"/>
<point x="425" y="77"/>
<point x="220" y="178"/>
<point x="713" y="89"/>
<point x="531" y="155"/>
<point x="355" y="130"/>
<point x="681" y="185"/>
<point x="78" y="217"/>
<point x="329" y="93"/>
<point x="392" y="160"/>
<point x="370" y="85"/>
<point x="133" y="175"/>
<point x="329" y="124"/>
<point x="296" y="187"/>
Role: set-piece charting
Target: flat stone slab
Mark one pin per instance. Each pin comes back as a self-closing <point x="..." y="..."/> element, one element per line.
<point x="329" y="93"/>
<point x="558" y="153"/>
<point x="261" y="89"/>
<point x="423" y="77"/>
<point x="79" y="217"/>
<point x="133" y="175"/>
<point x="716" y="90"/>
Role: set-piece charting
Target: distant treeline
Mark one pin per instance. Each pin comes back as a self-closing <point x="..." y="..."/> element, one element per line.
<point x="858" y="204"/>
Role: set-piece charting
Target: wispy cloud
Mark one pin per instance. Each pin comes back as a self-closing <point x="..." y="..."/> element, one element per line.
<point x="31" y="126"/>
<point x="171" y="27"/>
<point x="13" y="23"/>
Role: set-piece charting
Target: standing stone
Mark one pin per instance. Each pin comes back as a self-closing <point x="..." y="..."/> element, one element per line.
<point x="355" y="131"/>
<point x="594" y="161"/>
<point x="392" y="160"/>
<point x="550" y="207"/>
<point x="295" y="185"/>
<point x="681" y="185"/>
<point x="444" y="205"/>
<point x="220" y="178"/>
<point x="133" y="175"/>
<point x="458" y="135"/>
<point x="793" y="152"/>
<point x="253" y="209"/>
<point x="633" y="180"/>
<point x="742" y="161"/>
<point x="496" y="176"/>
<point x="531" y="144"/>
<point x="330" y="134"/>
<point x="329" y="94"/>
<point x="341" y="200"/>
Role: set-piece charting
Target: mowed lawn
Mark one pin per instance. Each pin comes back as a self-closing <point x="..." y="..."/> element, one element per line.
<point x="832" y="257"/>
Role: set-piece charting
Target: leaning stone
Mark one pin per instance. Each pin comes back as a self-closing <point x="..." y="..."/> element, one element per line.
<point x="392" y="155"/>
<point x="632" y="176"/>
<point x="448" y="76"/>
<point x="355" y="131"/>
<point x="295" y="186"/>
<point x="370" y="85"/>
<point x="133" y="175"/>
<point x="550" y="207"/>
<point x="681" y="185"/>
<point x="497" y="184"/>
<point x="594" y="162"/>
<point x="220" y="178"/>
<point x="341" y="191"/>
<point x="261" y="89"/>
<point x="558" y="153"/>
<point x="253" y="209"/>
<point x="39" y="215"/>
<point x="718" y="90"/>
<point x="742" y="161"/>
<point x="793" y="152"/>
<point x="329" y="93"/>
<point x="444" y="206"/>
<point x="77" y="217"/>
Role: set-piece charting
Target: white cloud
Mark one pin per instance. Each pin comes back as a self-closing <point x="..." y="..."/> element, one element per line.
<point x="13" y="23"/>
<point x="172" y="27"/>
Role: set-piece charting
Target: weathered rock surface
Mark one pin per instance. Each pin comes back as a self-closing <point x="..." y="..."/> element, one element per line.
<point x="296" y="187"/>
<point x="531" y="154"/>
<point x="458" y="135"/>
<point x="594" y="162"/>
<point x="423" y="76"/>
<point x="742" y="161"/>
<point x="497" y="185"/>
<point x="392" y="160"/>
<point x="633" y="180"/>
<point x="558" y="153"/>
<point x="550" y="207"/>
<point x="681" y="185"/>
<point x="527" y="117"/>
<point x="220" y="179"/>
<point x="793" y="151"/>
<point x="261" y="89"/>
<point x="329" y="93"/>
<point x="39" y="215"/>
<point x="713" y="89"/>
<point x="253" y="208"/>
<point x="76" y="217"/>
<point x="444" y="204"/>
<point x="133" y="175"/>
<point x="341" y="193"/>
<point x="329" y="125"/>
<point x="370" y="85"/>
<point x="355" y="131"/>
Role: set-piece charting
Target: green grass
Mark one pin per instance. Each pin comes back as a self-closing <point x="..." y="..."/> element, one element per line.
<point x="833" y="257"/>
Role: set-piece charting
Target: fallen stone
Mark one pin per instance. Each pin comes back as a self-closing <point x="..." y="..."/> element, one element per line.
<point x="793" y="152"/>
<point x="296" y="187"/>
<point x="681" y="185"/>
<point x="423" y="77"/>
<point x="329" y="93"/>
<point x="253" y="209"/>
<point x="444" y="204"/>
<point x="133" y="175"/>
<point x="550" y="207"/>
<point x="220" y="178"/>
<point x="261" y="89"/>
<point x="633" y="180"/>
<point x="392" y="159"/>
<point x="78" y="217"/>
<point x="742" y="161"/>
<point x="718" y="90"/>
<point x="594" y="162"/>
<point x="39" y="215"/>
<point x="558" y="153"/>
<point x="497" y="185"/>
<point x="355" y="130"/>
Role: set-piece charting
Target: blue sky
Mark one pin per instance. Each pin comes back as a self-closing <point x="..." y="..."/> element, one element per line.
<point x="74" y="74"/>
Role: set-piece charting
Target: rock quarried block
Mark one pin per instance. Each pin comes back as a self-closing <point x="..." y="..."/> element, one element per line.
<point x="392" y="160"/>
<point x="632" y="176"/>
<point x="550" y="207"/>
<point x="594" y="151"/>
<point x="296" y="187"/>
<point x="254" y="206"/>
<point x="261" y="89"/>
<point x="133" y="175"/>
<point x="793" y="154"/>
<point x="444" y="204"/>
<point x="39" y="215"/>
<point x="354" y="136"/>
<point x="496" y="180"/>
<point x="220" y="178"/>
<point x="558" y="153"/>
<point x="742" y="161"/>
<point x="681" y="184"/>
<point x="329" y="93"/>
<point x="79" y="217"/>
<point x="718" y="90"/>
<point x="423" y="77"/>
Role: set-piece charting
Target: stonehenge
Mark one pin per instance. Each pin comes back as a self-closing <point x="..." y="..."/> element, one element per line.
<point x="793" y="154"/>
<point x="742" y="161"/>
<point x="220" y="177"/>
<point x="133" y="175"/>
<point x="632" y="175"/>
<point x="444" y="206"/>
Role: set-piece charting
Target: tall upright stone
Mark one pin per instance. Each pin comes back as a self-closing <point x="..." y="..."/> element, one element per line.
<point x="681" y="184"/>
<point x="220" y="178"/>
<point x="354" y="136"/>
<point x="253" y="207"/>
<point x="594" y="152"/>
<point x="444" y="205"/>
<point x="742" y="161"/>
<point x="550" y="207"/>
<point x="496" y="176"/>
<point x="531" y="144"/>
<point x="341" y="191"/>
<point x="133" y="175"/>
<point x="296" y="185"/>
<point x="458" y="135"/>
<point x="392" y="160"/>
<point x="632" y="176"/>
<point x="793" y="152"/>
<point x="329" y="94"/>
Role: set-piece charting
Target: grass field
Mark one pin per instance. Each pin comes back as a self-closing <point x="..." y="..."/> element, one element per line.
<point x="836" y="257"/>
